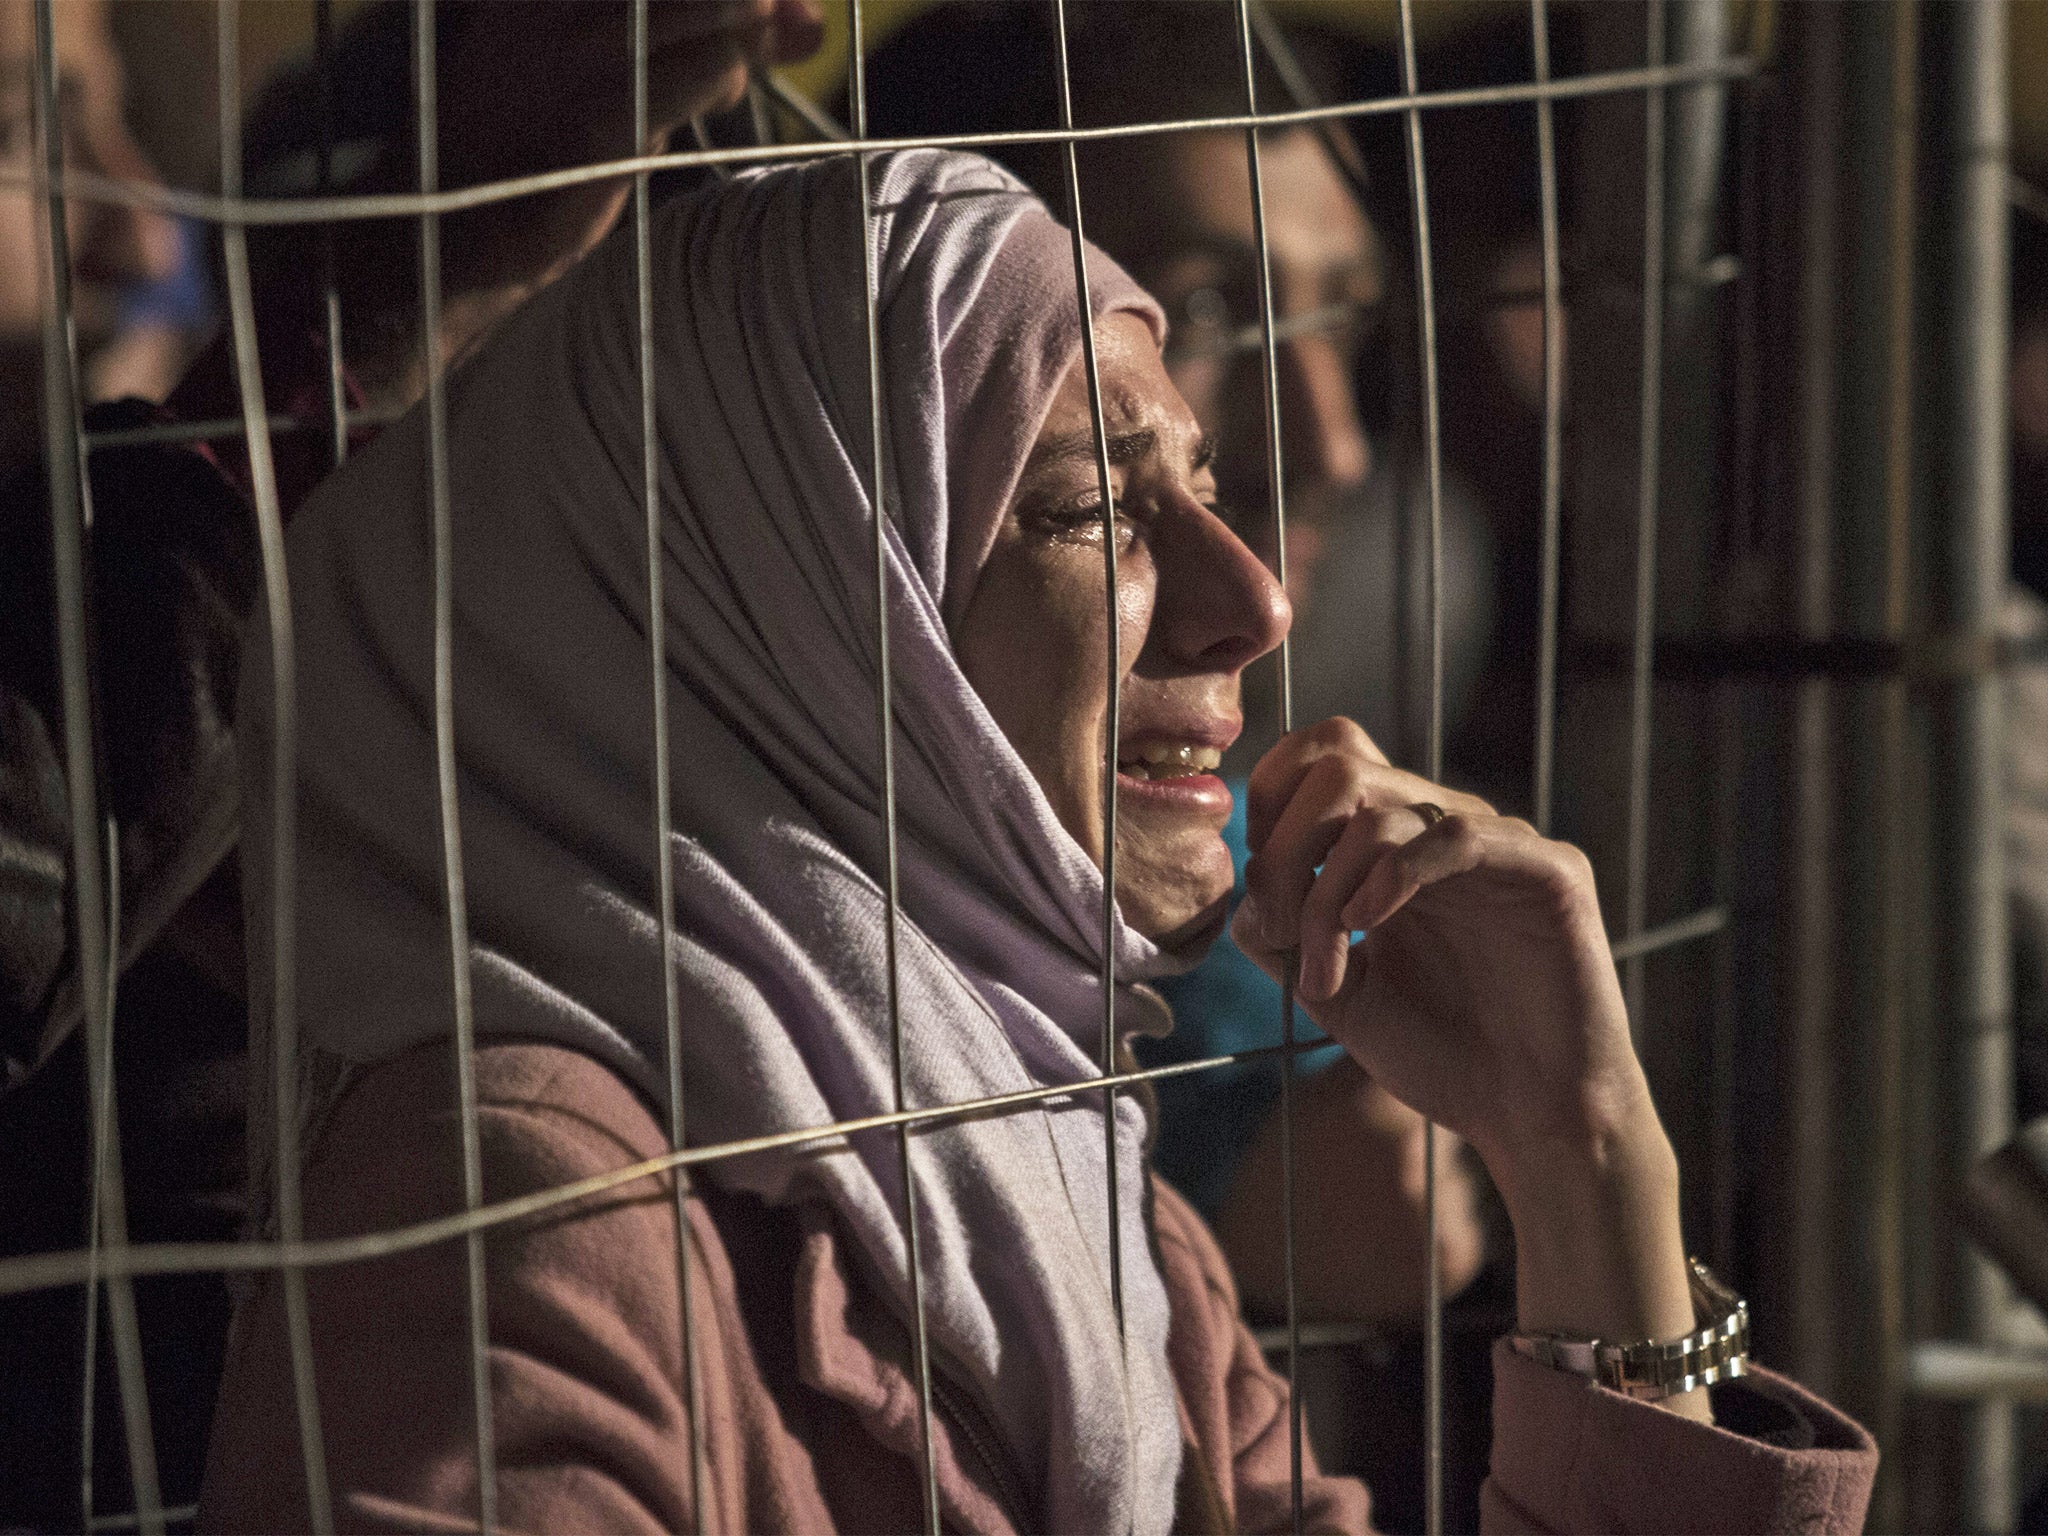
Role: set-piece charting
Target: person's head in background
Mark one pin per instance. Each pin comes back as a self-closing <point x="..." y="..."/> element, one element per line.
<point x="113" y="248"/>
<point x="1176" y="210"/>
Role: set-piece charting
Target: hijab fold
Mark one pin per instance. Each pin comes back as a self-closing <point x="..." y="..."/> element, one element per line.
<point x="769" y="630"/>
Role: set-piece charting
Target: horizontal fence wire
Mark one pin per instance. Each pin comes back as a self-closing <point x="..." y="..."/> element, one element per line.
<point x="42" y="1271"/>
<point x="85" y="186"/>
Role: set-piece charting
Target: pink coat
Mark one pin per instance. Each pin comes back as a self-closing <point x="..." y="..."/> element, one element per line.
<point x="810" y="1418"/>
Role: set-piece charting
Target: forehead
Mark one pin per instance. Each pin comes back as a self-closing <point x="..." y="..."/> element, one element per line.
<point x="1193" y="190"/>
<point x="1137" y="394"/>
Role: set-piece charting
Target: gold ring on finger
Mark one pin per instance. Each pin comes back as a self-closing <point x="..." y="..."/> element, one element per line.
<point x="1430" y="812"/>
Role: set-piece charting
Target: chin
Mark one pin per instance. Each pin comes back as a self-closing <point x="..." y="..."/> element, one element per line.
<point x="1175" y="890"/>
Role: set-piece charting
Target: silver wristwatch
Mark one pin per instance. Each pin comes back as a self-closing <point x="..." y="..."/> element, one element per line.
<point x="1716" y="1350"/>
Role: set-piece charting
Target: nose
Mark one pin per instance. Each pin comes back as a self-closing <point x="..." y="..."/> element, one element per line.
<point x="1217" y="607"/>
<point x="1319" y="414"/>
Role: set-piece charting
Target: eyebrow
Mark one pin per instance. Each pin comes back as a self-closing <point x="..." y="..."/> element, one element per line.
<point x="1124" y="447"/>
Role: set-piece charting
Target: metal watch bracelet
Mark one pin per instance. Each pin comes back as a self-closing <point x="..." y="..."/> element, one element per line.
<point x="1650" y="1370"/>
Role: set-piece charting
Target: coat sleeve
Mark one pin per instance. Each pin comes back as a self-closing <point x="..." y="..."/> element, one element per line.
<point x="1572" y="1456"/>
<point x="1567" y="1456"/>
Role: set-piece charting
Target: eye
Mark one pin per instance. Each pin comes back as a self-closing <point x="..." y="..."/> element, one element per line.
<point x="1082" y="524"/>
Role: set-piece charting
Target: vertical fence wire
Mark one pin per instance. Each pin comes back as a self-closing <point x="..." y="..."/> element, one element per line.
<point x="1113" y="649"/>
<point x="70" y="515"/>
<point x="1636" y="894"/>
<point x="426" y="106"/>
<point x="102" y="1127"/>
<point x="283" y="875"/>
<point x="1553" y="426"/>
<point x="1276" y="478"/>
<point x="330" y="290"/>
<point x="1425" y="295"/>
<point x="664" y="832"/>
<point x="857" y="98"/>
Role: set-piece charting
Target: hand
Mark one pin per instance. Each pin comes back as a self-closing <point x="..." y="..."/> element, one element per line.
<point x="1483" y="995"/>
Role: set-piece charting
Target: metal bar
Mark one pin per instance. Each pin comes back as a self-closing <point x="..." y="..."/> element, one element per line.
<point x="277" y="603"/>
<point x="102" y="1127"/>
<point x="664" y="829"/>
<point x="1276" y="479"/>
<point x="1961" y="1072"/>
<point x="813" y="116"/>
<point x="221" y="428"/>
<point x="1425" y="291"/>
<point x="41" y="1271"/>
<point x="1975" y="1373"/>
<point x="1636" y="893"/>
<point x="70" y="515"/>
<point x="1669" y="935"/>
<point x="700" y="135"/>
<point x="337" y="377"/>
<point x="444" y="752"/>
<point x="1340" y="146"/>
<point x="760" y="111"/>
<point x="182" y="1514"/>
<point x="1113" y="650"/>
<point x="1553" y="428"/>
<point x="885" y="709"/>
<point x="89" y="187"/>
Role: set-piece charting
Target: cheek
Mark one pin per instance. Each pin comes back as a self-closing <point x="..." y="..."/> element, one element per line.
<point x="1032" y="645"/>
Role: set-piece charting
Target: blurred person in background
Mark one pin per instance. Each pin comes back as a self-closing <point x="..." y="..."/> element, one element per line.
<point x="1176" y="211"/>
<point x="115" y="250"/>
<point x="174" y="570"/>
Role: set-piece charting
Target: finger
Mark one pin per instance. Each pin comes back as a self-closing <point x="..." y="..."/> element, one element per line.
<point x="1278" y="774"/>
<point x="1454" y="846"/>
<point x="1278" y="876"/>
<point x="1325" y="932"/>
<point x="1281" y="872"/>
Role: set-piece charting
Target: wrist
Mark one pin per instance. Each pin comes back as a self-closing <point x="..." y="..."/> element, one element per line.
<point x="1598" y="1245"/>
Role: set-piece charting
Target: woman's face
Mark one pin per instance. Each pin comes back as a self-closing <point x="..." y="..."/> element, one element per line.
<point x="1194" y="606"/>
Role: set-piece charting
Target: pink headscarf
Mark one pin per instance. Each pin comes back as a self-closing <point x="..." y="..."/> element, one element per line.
<point x="762" y="418"/>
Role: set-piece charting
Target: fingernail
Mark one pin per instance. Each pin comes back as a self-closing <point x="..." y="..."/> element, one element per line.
<point x="1308" y="979"/>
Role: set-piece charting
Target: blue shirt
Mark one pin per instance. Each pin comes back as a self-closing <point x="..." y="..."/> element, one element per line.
<point x="1207" y="1119"/>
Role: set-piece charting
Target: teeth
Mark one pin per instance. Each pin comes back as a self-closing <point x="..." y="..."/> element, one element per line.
<point x="1160" y="760"/>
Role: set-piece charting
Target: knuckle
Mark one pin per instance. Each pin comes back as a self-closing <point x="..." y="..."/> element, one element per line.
<point x="1461" y="833"/>
<point x="1573" y="863"/>
<point x="1335" y="732"/>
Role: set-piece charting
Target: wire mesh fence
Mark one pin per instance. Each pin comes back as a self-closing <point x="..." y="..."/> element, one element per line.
<point x="109" y="1263"/>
